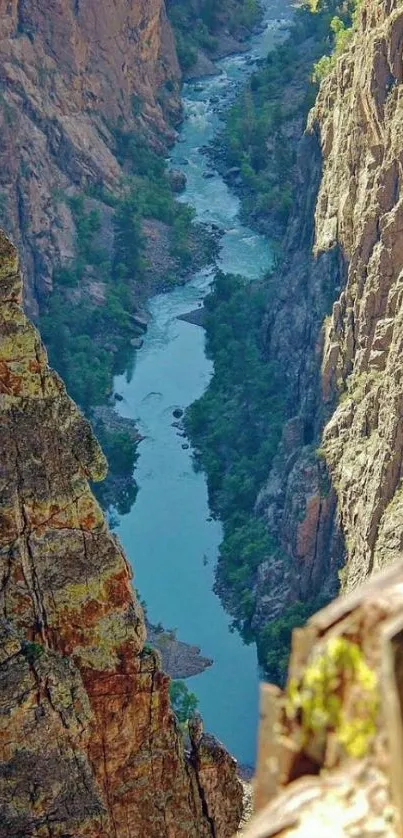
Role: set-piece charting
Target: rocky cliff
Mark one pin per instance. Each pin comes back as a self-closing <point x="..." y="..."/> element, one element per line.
<point x="362" y="359"/>
<point x="89" y="744"/>
<point x="333" y="496"/>
<point x="71" y="73"/>
<point x="330" y="760"/>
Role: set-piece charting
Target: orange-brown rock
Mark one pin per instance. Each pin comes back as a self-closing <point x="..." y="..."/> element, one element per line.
<point x="72" y="72"/>
<point x="331" y="753"/>
<point x="89" y="744"/>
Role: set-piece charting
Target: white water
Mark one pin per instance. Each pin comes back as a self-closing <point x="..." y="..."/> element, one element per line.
<point x="167" y="535"/>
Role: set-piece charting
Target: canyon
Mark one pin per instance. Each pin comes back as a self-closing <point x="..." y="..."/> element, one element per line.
<point x="169" y="535"/>
<point x="90" y="745"/>
<point x="330" y="501"/>
<point x="83" y="695"/>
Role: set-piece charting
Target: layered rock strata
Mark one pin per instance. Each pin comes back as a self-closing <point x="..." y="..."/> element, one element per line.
<point x="89" y="744"/>
<point x="72" y="74"/>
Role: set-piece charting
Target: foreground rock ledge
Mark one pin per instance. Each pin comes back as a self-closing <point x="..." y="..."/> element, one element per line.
<point x="88" y="743"/>
<point x="331" y="745"/>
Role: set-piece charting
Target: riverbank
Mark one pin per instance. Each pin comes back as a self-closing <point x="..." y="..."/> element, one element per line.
<point x="256" y="150"/>
<point x="179" y="660"/>
<point x="144" y="252"/>
<point x="139" y="243"/>
<point x="169" y="533"/>
<point x="239" y="426"/>
<point x="208" y="32"/>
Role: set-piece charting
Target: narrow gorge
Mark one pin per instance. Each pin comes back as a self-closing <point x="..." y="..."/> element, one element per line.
<point x="166" y="166"/>
<point x="169" y="533"/>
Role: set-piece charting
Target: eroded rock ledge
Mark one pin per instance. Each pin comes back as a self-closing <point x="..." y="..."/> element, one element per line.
<point x="330" y="760"/>
<point x="89" y="744"/>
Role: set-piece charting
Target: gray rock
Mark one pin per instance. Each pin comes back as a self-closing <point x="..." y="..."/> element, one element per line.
<point x="136" y="343"/>
<point x="177" y="180"/>
<point x="233" y="172"/>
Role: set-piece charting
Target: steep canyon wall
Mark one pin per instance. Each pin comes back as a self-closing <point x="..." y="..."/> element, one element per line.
<point x="336" y="327"/>
<point x="88" y="743"/>
<point x="71" y="73"/>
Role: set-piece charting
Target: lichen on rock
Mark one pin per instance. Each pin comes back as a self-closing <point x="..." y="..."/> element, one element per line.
<point x="330" y="762"/>
<point x="84" y="701"/>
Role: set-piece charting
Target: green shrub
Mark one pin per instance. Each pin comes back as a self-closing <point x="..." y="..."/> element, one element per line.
<point x="120" y="449"/>
<point x="193" y="33"/>
<point x="183" y="702"/>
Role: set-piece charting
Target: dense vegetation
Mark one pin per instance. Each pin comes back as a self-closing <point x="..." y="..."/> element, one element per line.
<point x="120" y="488"/>
<point x="73" y="324"/>
<point x="342" y="25"/>
<point x="197" y="24"/>
<point x="274" y="640"/>
<point x="236" y="427"/>
<point x="88" y="337"/>
<point x="260" y="129"/>
<point x="88" y="341"/>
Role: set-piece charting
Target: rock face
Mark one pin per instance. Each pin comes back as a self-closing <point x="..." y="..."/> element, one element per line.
<point x="362" y="362"/>
<point x="340" y="300"/>
<point x="89" y="744"/>
<point x="331" y="744"/>
<point x="73" y="72"/>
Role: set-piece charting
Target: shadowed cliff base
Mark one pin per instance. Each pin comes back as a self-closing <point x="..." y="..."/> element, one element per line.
<point x="81" y="688"/>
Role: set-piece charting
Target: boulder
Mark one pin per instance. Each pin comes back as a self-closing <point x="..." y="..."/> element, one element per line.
<point x="177" y="180"/>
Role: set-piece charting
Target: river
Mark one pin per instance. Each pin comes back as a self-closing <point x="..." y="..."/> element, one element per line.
<point x="168" y="536"/>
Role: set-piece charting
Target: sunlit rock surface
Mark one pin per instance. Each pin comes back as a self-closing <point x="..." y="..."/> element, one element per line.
<point x="89" y="745"/>
<point x="75" y="74"/>
<point x="331" y="745"/>
<point x="333" y="498"/>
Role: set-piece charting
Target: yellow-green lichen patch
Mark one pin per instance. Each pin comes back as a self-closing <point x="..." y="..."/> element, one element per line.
<point x="109" y="636"/>
<point x="338" y="694"/>
<point x="8" y="258"/>
<point x="92" y="591"/>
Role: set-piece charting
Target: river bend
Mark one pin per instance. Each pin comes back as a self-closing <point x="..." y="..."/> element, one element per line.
<point x="169" y="536"/>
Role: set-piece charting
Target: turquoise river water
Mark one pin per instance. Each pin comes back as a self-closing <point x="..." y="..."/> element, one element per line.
<point x="167" y="535"/>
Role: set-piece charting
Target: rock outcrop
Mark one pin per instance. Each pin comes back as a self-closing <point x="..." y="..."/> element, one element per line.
<point x="331" y="743"/>
<point x="74" y="73"/>
<point x="362" y="364"/>
<point x="334" y="495"/>
<point x="89" y="744"/>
